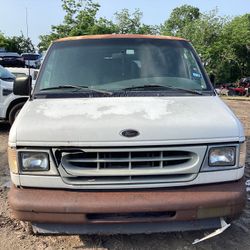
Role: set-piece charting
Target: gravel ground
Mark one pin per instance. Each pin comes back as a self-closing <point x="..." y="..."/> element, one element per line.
<point x="14" y="235"/>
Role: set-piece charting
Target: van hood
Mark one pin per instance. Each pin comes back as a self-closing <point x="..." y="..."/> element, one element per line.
<point x="99" y="121"/>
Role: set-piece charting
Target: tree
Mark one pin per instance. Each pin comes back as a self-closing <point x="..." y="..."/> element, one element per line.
<point x="131" y="23"/>
<point x="80" y="19"/>
<point x="3" y="41"/>
<point x="19" y="44"/>
<point x="236" y="34"/>
<point x="179" y="18"/>
<point x="202" y="29"/>
<point x="46" y="40"/>
<point x="227" y="54"/>
<point x="206" y="33"/>
<point x="221" y="42"/>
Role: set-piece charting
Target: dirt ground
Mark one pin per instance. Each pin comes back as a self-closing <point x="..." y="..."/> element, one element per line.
<point x="14" y="236"/>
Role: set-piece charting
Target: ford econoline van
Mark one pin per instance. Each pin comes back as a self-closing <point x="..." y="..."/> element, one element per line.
<point x="122" y="134"/>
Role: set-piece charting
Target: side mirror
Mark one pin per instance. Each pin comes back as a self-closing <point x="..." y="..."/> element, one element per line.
<point x="22" y="85"/>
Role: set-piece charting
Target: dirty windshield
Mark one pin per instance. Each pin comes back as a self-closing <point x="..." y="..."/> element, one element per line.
<point x="121" y="65"/>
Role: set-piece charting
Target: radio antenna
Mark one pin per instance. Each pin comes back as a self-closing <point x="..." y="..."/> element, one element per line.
<point x="27" y="25"/>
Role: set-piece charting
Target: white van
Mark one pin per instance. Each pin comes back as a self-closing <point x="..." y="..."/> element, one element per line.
<point x="123" y="134"/>
<point x="10" y="104"/>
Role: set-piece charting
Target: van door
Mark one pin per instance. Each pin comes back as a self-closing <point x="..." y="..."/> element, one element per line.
<point x="6" y="89"/>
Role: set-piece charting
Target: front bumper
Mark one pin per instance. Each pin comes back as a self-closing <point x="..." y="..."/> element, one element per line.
<point x="50" y="206"/>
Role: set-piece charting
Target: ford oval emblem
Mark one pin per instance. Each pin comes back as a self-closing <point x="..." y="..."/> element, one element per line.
<point x="129" y="133"/>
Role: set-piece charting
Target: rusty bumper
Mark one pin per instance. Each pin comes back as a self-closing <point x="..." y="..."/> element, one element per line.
<point x="105" y="207"/>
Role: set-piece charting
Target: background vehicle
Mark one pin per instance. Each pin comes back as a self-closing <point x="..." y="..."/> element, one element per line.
<point x="11" y="59"/>
<point x="10" y="104"/>
<point x="239" y="88"/>
<point x="19" y="72"/>
<point x="32" y="60"/>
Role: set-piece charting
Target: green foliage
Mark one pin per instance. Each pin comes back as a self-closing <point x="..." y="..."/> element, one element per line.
<point x="179" y="19"/>
<point x="127" y="23"/>
<point x="221" y="42"/>
<point x="18" y="44"/>
<point x="3" y="41"/>
<point x="81" y="19"/>
<point x="236" y="37"/>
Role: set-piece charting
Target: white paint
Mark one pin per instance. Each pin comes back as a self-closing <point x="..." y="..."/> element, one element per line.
<point x="81" y="121"/>
<point x="57" y="182"/>
<point x="150" y="108"/>
<point x="218" y="231"/>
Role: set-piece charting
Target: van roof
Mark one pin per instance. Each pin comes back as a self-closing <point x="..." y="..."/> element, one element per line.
<point x="115" y="36"/>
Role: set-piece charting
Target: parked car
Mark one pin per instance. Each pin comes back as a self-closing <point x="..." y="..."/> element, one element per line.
<point x="239" y="88"/>
<point x="124" y="134"/>
<point x="10" y="104"/>
<point x="21" y="72"/>
<point x="242" y="86"/>
<point x="223" y="89"/>
<point x="32" y="60"/>
<point x="11" y="59"/>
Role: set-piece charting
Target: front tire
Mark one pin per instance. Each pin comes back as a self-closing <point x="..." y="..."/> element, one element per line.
<point x="14" y="112"/>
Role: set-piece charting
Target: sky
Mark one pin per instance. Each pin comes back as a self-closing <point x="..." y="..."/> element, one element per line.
<point x="44" y="13"/>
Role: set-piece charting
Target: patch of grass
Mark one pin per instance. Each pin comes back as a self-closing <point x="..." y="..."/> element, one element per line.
<point x="236" y="98"/>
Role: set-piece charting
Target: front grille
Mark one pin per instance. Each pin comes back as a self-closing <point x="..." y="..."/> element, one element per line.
<point x="129" y="165"/>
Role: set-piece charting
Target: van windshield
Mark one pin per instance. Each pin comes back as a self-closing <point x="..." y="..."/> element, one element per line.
<point x="118" y="64"/>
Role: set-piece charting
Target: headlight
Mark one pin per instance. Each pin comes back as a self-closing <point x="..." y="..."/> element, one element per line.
<point x="222" y="156"/>
<point x="34" y="161"/>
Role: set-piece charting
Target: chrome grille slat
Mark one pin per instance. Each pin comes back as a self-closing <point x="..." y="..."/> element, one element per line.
<point x="131" y="165"/>
<point x="97" y="159"/>
<point x="128" y="180"/>
<point x="121" y="172"/>
<point x="161" y="163"/>
<point x="132" y="159"/>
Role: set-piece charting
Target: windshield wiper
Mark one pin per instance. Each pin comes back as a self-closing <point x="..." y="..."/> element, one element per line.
<point x="78" y="88"/>
<point x="151" y="86"/>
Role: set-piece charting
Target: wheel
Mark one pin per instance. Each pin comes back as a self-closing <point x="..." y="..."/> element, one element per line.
<point x="14" y="112"/>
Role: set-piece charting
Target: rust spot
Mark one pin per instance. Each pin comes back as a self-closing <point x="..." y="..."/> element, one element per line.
<point x="67" y="206"/>
<point x="117" y="36"/>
